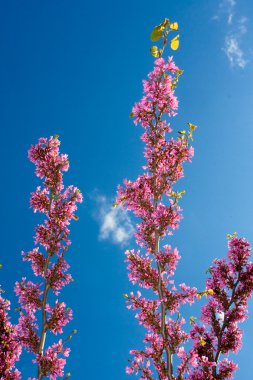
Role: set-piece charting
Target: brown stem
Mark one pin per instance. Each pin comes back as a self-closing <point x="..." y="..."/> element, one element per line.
<point x="156" y="250"/>
<point x="44" y="300"/>
<point x="163" y="307"/>
<point x="165" y="40"/>
<point x="44" y="316"/>
<point x="224" y="325"/>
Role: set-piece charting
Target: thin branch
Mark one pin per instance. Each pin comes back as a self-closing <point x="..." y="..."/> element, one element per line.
<point x="224" y="325"/>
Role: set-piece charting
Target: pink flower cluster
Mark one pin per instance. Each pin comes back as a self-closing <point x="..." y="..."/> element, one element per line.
<point x="146" y="197"/>
<point x="37" y="316"/>
<point x="232" y="283"/>
<point x="164" y="158"/>
<point x="10" y="348"/>
<point x="153" y="200"/>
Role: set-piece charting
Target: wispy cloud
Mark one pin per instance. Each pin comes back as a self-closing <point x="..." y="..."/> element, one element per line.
<point x="226" y="8"/>
<point x="234" y="52"/>
<point x="235" y="30"/>
<point x="230" y="8"/>
<point x="242" y="25"/>
<point x="114" y="223"/>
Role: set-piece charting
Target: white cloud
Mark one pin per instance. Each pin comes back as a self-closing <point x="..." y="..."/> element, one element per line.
<point x="230" y="5"/>
<point x="227" y="8"/>
<point x="242" y="25"/>
<point x="230" y="9"/>
<point x="115" y="223"/>
<point x="234" y="52"/>
<point x="236" y="29"/>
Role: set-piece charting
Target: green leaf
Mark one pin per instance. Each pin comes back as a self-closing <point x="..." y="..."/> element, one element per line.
<point x="165" y="23"/>
<point x="192" y="320"/>
<point x="154" y="51"/>
<point x="205" y="293"/>
<point x="156" y="33"/>
<point x="192" y="126"/>
<point x="209" y="270"/>
<point x="231" y="236"/>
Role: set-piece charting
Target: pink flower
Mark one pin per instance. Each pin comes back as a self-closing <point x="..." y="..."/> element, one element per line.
<point x="10" y="348"/>
<point x="155" y="203"/>
<point x="37" y="316"/>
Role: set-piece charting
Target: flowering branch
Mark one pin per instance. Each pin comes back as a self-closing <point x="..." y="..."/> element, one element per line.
<point x="232" y="283"/>
<point x="154" y="201"/>
<point x="58" y="205"/>
<point x="146" y="197"/>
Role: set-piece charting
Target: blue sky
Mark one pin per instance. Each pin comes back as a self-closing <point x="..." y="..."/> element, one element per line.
<point x="74" y="68"/>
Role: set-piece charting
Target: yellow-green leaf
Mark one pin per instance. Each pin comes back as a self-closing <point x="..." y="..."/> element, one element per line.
<point x="174" y="43"/>
<point x="156" y="33"/>
<point x="131" y="115"/>
<point x="192" y="126"/>
<point x="231" y="236"/>
<point x="174" y="26"/>
<point x="115" y="205"/>
<point x="200" y="294"/>
<point x="205" y="293"/>
<point x="192" y="319"/>
<point x="202" y="341"/>
<point x="165" y="23"/>
<point x="154" y="51"/>
<point x="179" y="194"/>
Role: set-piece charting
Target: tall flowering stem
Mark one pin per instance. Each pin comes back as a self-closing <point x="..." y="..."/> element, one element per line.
<point x="37" y="315"/>
<point x="154" y="201"/>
